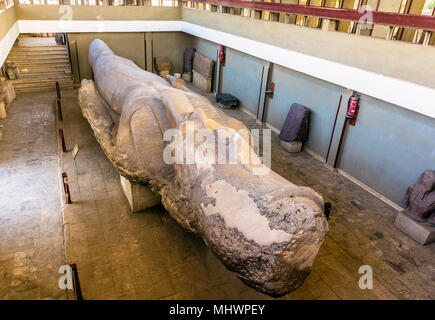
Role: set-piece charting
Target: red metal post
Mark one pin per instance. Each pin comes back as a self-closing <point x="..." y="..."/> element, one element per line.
<point x="59" y="109"/>
<point x="333" y="128"/>
<point x="62" y="139"/>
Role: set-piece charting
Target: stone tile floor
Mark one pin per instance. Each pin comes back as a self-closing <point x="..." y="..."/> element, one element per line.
<point x="147" y="255"/>
<point x="31" y="236"/>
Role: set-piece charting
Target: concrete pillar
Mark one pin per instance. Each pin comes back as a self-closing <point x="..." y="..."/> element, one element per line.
<point x="247" y="13"/>
<point x="422" y="36"/>
<point x="256" y="14"/>
<point x="329" y="25"/>
<point x="427" y="36"/>
<point x="390" y="33"/>
<point x="149" y="51"/>
<point x="139" y="196"/>
<point x="287" y="18"/>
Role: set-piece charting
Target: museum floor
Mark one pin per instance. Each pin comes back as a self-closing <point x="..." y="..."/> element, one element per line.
<point x="120" y="255"/>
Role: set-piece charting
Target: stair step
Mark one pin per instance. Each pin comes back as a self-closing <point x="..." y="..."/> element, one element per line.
<point x="60" y="67"/>
<point x="44" y="71"/>
<point x="25" y="82"/>
<point x="38" y="52"/>
<point x="33" y="48"/>
<point x="45" y="75"/>
<point x="45" y="85"/>
<point x="49" y="86"/>
<point x="43" y="89"/>
<point x="22" y="88"/>
<point x="36" y="49"/>
<point x="37" y="59"/>
<point x="43" y="65"/>
<point x="42" y="56"/>
<point x="41" y="80"/>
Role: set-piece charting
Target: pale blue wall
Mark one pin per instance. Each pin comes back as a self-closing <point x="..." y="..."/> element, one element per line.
<point x="317" y="95"/>
<point x="208" y="49"/>
<point x="387" y="149"/>
<point x="241" y="77"/>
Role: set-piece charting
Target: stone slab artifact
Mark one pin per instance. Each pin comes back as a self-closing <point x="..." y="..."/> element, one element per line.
<point x="139" y="196"/>
<point x="201" y="82"/>
<point x="262" y="227"/>
<point x="422" y="232"/>
<point x="295" y="126"/>
<point x="203" y="65"/>
<point x="294" y="130"/>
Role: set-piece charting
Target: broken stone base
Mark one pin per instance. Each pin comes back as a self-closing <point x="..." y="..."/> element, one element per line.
<point x="292" y="146"/>
<point x="139" y="196"/>
<point x="422" y="232"/>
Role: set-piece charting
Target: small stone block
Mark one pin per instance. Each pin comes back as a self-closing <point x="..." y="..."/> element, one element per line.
<point x="187" y="76"/>
<point x="422" y="232"/>
<point x="139" y="196"/>
<point x="292" y="146"/>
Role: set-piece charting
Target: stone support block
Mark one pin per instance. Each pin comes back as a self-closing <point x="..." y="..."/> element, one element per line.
<point x="292" y="146"/>
<point x="139" y="196"/>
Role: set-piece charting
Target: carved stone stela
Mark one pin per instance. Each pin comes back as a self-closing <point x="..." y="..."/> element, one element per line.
<point x="262" y="227"/>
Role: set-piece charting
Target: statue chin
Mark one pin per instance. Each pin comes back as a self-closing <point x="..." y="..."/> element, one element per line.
<point x="262" y="227"/>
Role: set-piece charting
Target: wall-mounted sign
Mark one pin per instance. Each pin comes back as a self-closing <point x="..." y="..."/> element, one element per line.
<point x="75" y="151"/>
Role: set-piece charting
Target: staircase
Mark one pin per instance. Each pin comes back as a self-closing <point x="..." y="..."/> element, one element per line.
<point x="41" y="67"/>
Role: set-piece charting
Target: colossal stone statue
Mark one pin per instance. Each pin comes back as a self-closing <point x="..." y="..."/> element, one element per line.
<point x="262" y="227"/>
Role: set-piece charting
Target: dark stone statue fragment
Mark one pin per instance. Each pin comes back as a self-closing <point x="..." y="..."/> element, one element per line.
<point x="295" y="127"/>
<point x="420" y="198"/>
